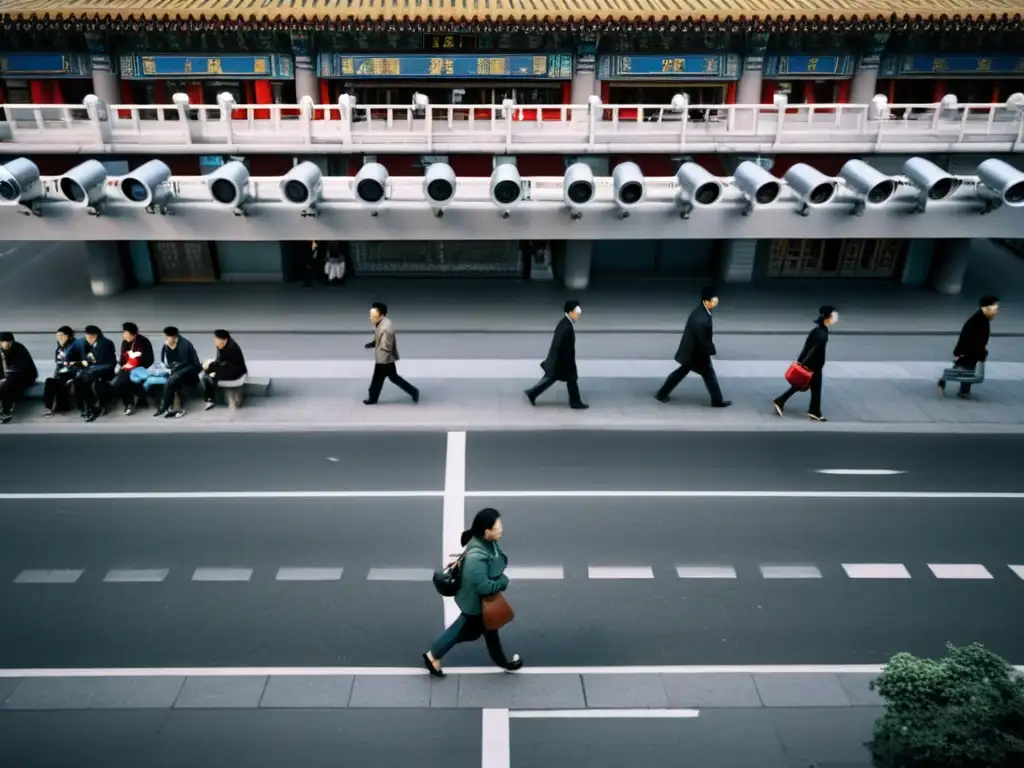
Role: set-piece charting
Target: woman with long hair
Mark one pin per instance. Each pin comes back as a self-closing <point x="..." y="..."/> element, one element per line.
<point x="483" y="574"/>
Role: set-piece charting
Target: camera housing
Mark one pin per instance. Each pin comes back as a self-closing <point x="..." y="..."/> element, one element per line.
<point x="812" y="187"/>
<point x="302" y="186"/>
<point x="1000" y="184"/>
<point x="439" y="186"/>
<point x="146" y="185"/>
<point x="85" y="185"/>
<point x="578" y="188"/>
<point x="229" y="186"/>
<point x="628" y="187"/>
<point x="932" y="182"/>
<point x="697" y="187"/>
<point x="871" y="186"/>
<point x="371" y="184"/>
<point x="507" y="188"/>
<point x="20" y="182"/>
<point x="757" y="185"/>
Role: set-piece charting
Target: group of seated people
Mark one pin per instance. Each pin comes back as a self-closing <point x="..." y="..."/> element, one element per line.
<point x="89" y="373"/>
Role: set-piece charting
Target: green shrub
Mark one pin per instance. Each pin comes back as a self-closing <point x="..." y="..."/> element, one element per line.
<point x="963" y="711"/>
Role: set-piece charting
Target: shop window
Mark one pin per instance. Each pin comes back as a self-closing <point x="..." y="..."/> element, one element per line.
<point x="835" y="258"/>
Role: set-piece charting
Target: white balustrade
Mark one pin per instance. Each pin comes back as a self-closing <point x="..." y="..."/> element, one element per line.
<point x="183" y="128"/>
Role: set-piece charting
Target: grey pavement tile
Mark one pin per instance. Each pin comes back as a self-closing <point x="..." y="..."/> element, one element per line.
<point x="710" y="690"/>
<point x="624" y="691"/>
<point x="56" y="693"/>
<point x="309" y="692"/>
<point x="858" y="688"/>
<point x="391" y="691"/>
<point x="825" y="737"/>
<point x="221" y="691"/>
<point x="444" y="692"/>
<point x="801" y="690"/>
<point x="7" y="686"/>
<point x="521" y="691"/>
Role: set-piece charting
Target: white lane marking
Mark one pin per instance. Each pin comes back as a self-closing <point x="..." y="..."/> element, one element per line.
<point x="755" y="669"/>
<point x="537" y="572"/>
<point x="211" y="495"/>
<point x="136" y="575"/>
<point x="55" y="576"/>
<point x="222" y="574"/>
<point x="603" y="714"/>
<point x="309" y="574"/>
<point x="790" y="572"/>
<point x="705" y="572"/>
<point x="963" y="495"/>
<point x="1018" y="569"/>
<point x="495" y="742"/>
<point x="876" y="571"/>
<point x="333" y="459"/>
<point x="959" y="571"/>
<point x="453" y="513"/>
<point x="861" y="472"/>
<point x="620" y="572"/>
<point x="399" y="574"/>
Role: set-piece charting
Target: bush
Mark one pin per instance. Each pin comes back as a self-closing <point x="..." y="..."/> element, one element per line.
<point x="963" y="711"/>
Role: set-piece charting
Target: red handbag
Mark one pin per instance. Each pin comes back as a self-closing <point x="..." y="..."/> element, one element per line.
<point x="799" y="377"/>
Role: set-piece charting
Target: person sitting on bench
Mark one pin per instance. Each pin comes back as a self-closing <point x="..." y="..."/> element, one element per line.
<point x="228" y="365"/>
<point x="97" y="368"/>
<point x="181" y="360"/>
<point x="17" y="373"/>
<point x="58" y="390"/>
<point x="136" y="357"/>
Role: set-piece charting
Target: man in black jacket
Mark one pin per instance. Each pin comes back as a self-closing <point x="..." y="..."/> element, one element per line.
<point x="136" y="354"/>
<point x="560" y="364"/>
<point x="58" y="389"/>
<point x="228" y="365"/>
<point x="181" y="360"/>
<point x="696" y="349"/>
<point x="96" y="368"/>
<point x="972" y="346"/>
<point x="17" y="373"/>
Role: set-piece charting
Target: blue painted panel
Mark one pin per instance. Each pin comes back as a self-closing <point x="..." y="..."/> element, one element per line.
<point x="686" y="67"/>
<point x="556" y="66"/>
<point x="938" y="66"/>
<point x="46" y="65"/>
<point x="808" y="67"/>
<point x="237" y="67"/>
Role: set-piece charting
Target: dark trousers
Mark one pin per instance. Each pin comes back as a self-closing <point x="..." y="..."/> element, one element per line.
<point x="815" y="389"/>
<point x="208" y="384"/>
<point x="466" y="629"/>
<point x="548" y="381"/>
<point x="176" y="384"/>
<point x="123" y="386"/>
<point x="964" y="364"/>
<point x="89" y="388"/>
<point x="11" y="388"/>
<point x="382" y="371"/>
<point x="706" y="372"/>
<point x="59" y="392"/>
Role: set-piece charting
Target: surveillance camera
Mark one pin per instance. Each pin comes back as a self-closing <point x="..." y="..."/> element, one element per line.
<point x="578" y="187"/>
<point x="20" y="182"/>
<point x="1000" y="184"/>
<point x="302" y="185"/>
<point x="85" y="184"/>
<point x="811" y="186"/>
<point x="143" y="185"/>
<point x="628" y="186"/>
<point x="506" y="187"/>
<point x="439" y="185"/>
<point x="932" y="182"/>
<point x="696" y="187"/>
<point x="871" y="186"/>
<point x="229" y="185"/>
<point x="370" y="184"/>
<point x="758" y="186"/>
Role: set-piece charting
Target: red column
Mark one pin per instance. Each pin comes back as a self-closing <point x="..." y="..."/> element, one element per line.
<point x="325" y="98"/>
<point x="808" y="91"/>
<point x="39" y="90"/>
<point x="264" y="94"/>
<point x="126" y="98"/>
<point x="843" y="97"/>
<point x="768" y="92"/>
<point x="56" y="92"/>
<point x="939" y="90"/>
<point x="730" y="93"/>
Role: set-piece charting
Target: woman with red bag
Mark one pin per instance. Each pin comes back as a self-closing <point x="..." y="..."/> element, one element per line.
<point x="806" y="372"/>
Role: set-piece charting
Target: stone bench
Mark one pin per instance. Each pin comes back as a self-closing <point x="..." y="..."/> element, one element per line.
<point x="231" y="391"/>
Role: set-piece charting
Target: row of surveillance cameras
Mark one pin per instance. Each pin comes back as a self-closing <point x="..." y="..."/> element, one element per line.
<point x="147" y="186"/>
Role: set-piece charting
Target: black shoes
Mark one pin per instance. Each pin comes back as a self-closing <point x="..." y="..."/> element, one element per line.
<point x="210" y="405"/>
<point x="579" y="406"/>
<point x="530" y="396"/>
<point x="434" y="671"/>
<point x="516" y="663"/>
<point x="661" y="398"/>
<point x="416" y="397"/>
<point x="369" y="402"/>
<point x="723" y="404"/>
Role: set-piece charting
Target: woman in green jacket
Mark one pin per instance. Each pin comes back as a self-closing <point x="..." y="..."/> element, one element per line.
<point x="483" y="574"/>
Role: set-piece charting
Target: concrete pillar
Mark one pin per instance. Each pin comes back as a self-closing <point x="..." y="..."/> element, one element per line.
<point x="576" y="268"/>
<point x="748" y="91"/>
<point x="306" y="81"/>
<point x="918" y="265"/>
<point x="584" y="79"/>
<point x="950" y="266"/>
<point x="864" y="84"/>
<point x="736" y="262"/>
<point x="105" y="84"/>
<point x="106" y="270"/>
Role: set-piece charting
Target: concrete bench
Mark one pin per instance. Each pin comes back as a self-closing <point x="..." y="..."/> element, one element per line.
<point x="232" y="391"/>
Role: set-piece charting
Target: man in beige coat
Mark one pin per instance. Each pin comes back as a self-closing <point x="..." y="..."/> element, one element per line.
<point x="385" y="355"/>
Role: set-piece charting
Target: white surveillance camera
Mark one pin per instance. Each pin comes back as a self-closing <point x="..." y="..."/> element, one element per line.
<point x="371" y="184"/>
<point x="628" y="186"/>
<point x="697" y="187"/>
<point x="439" y="185"/>
<point x="871" y="186"/>
<point x="229" y="185"/>
<point x="578" y="188"/>
<point x="146" y="184"/>
<point x="1000" y="184"/>
<point x="302" y="186"/>
<point x="758" y="186"/>
<point x="812" y="187"/>
<point x="85" y="185"/>
<point x="20" y="182"/>
<point x="506" y="187"/>
<point x="932" y="182"/>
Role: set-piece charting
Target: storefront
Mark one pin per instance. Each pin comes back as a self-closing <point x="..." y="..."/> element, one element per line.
<point x="925" y="79"/>
<point x="433" y="258"/>
<point x="653" y="79"/>
<point x="881" y="259"/>
<point x="45" y="78"/>
<point x="808" y="79"/>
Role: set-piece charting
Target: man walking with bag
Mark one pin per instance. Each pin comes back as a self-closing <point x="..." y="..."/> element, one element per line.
<point x="971" y="349"/>
<point x="696" y="349"/>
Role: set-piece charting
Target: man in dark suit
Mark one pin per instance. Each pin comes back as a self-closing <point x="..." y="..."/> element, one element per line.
<point x="696" y="349"/>
<point x="972" y="346"/>
<point x="560" y="364"/>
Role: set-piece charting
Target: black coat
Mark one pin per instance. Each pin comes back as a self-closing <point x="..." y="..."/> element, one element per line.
<point x="17" y="362"/>
<point x="104" y="356"/>
<point x="972" y="346"/>
<point x="229" y="364"/>
<point x="697" y="346"/>
<point x="560" y="364"/>
<point x="812" y="356"/>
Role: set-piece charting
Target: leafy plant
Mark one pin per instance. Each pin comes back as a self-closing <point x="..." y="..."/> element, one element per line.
<point x="963" y="711"/>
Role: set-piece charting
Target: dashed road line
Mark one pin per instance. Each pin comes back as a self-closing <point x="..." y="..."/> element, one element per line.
<point x="959" y="571"/>
<point x="705" y="572"/>
<point x="222" y="574"/>
<point x="876" y="570"/>
<point x="790" y="572"/>
<point x="861" y="472"/>
<point x="620" y="572"/>
<point x="55" y="576"/>
<point x="1018" y="569"/>
<point x="399" y="574"/>
<point x="136" y="575"/>
<point x="537" y="572"/>
<point x="309" y="574"/>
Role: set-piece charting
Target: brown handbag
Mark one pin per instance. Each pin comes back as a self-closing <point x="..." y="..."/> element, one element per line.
<point x="496" y="611"/>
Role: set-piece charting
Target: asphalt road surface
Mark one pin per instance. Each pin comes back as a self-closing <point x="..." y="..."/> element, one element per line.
<point x="263" y="577"/>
